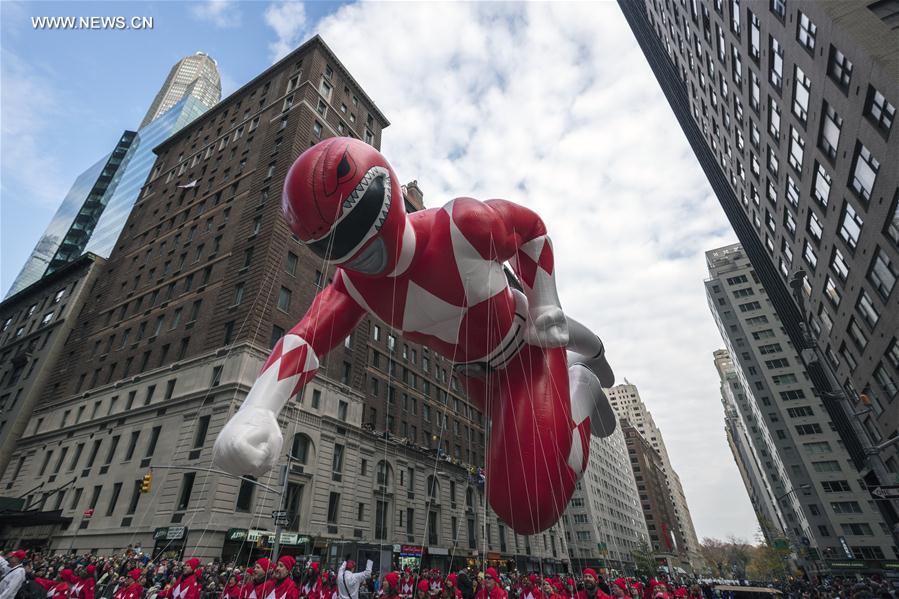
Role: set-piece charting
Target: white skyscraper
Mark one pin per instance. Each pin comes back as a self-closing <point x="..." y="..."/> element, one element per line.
<point x="828" y="513"/>
<point x="604" y="521"/>
<point x="626" y="402"/>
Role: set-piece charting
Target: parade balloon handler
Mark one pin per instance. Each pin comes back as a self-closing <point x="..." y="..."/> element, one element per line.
<point x="438" y="277"/>
<point x="349" y="581"/>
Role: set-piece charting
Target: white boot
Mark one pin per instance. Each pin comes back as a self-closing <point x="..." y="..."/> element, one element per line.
<point x="589" y="401"/>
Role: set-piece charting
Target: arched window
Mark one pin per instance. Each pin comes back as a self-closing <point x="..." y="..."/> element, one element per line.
<point x="384" y="474"/>
<point x="433" y="489"/>
<point x="302" y="450"/>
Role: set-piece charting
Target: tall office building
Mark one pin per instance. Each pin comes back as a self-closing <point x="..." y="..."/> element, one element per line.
<point x="626" y="402"/>
<point x="811" y="477"/>
<point x="604" y="523"/>
<point x="37" y="262"/>
<point x="92" y="214"/>
<point x="204" y="279"/>
<point x="194" y="76"/>
<point x="665" y="538"/>
<point x="743" y="435"/>
<point x="790" y="109"/>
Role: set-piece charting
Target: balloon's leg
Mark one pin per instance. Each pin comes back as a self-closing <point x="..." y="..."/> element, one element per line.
<point x="536" y="451"/>
<point x="588" y="400"/>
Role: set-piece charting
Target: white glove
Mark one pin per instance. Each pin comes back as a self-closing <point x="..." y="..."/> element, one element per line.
<point x="547" y="327"/>
<point x="249" y="443"/>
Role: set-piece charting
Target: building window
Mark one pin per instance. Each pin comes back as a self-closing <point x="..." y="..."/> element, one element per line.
<point x="838" y="264"/>
<point x="805" y="32"/>
<point x="813" y="226"/>
<point x="291" y="264"/>
<point x="187" y="485"/>
<point x="850" y="226"/>
<point x="775" y="62"/>
<point x="317" y="130"/>
<point x="832" y="292"/>
<point x="337" y="463"/>
<point x="284" y="299"/>
<point x="822" y="183"/>
<point x="245" y="495"/>
<point x="839" y="69"/>
<point x="882" y="274"/>
<point x="773" y="162"/>
<point x="857" y="335"/>
<point x="238" y="294"/>
<point x="754" y="99"/>
<point x="885" y="380"/>
<point x="792" y="193"/>
<point x="779" y="8"/>
<point x="802" y="86"/>
<point x="333" y="507"/>
<point x="797" y="149"/>
<point x="865" y="307"/>
<point x="864" y="171"/>
<point x="754" y="37"/>
<point x="808" y="253"/>
<point x="773" y="119"/>
<point x="277" y="333"/>
<point x="829" y="137"/>
<point x="879" y="111"/>
<point x="325" y="89"/>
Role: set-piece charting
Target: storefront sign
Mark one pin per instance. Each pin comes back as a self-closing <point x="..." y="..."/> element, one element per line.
<point x="410" y="551"/>
<point x="847" y="564"/>
<point x="437" y="551"/>
<point x="252" y="535"/>
<point x="169" y="533"/>
<point x="236" y="534"/>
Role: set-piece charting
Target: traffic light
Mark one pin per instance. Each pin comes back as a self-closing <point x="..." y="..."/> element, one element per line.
<point x="146" y="483"/>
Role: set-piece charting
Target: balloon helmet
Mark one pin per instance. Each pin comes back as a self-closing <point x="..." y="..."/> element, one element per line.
<point x="343" y="201"/>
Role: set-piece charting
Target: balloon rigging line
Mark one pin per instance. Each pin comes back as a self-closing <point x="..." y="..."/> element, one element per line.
<point x="196" y="418"/>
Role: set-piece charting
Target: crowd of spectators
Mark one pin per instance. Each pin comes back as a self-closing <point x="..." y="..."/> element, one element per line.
<point x="134" y="575"/>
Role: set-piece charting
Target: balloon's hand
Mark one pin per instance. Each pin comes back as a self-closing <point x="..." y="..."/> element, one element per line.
<point x="547" y="327"/>
<point x="249" y="443"/>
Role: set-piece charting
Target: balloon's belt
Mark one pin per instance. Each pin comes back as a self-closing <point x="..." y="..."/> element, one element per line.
<point x="500" y="357"/>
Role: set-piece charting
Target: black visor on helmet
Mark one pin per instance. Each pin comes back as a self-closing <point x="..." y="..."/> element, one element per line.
<point x="352" y="229"/>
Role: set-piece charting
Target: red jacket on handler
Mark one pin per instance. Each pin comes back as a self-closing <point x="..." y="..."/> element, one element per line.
<point x="491" y="588"/>
<point x="132" y="590"/>
<point x="284" y="586"/>
<point x="187" y="586"/>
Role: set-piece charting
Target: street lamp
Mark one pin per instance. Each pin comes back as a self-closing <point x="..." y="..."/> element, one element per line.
<point x="791" y="491"/>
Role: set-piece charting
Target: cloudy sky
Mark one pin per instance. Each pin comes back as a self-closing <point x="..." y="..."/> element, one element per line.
<point x="549" y="105"/>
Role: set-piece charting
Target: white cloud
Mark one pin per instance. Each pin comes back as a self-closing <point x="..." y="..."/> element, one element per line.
<point x="288" y="19"/>
<point x="27" y="115"/>
<point x="221" y="13"/>
<point x="552" y="105"/>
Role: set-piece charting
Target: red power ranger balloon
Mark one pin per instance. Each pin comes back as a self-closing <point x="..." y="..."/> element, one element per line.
<point x="437" y="276"/>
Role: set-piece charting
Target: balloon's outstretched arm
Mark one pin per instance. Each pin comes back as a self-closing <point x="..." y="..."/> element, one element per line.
<point x="250" y="442"/>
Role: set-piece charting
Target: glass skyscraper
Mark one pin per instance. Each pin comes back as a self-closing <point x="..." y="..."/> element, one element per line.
<point x="95" y="209"/>
<point x="136" y="169"/>
<point x="37" y="263"/>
